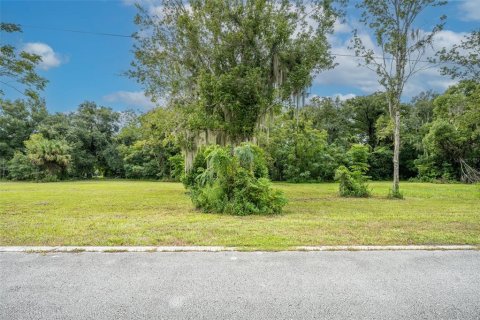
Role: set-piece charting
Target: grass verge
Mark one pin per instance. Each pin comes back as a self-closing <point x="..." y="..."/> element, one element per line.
<point x="143" y="213"/>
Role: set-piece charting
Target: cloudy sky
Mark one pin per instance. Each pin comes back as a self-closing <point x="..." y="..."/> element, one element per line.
<point x="84" y="66"/>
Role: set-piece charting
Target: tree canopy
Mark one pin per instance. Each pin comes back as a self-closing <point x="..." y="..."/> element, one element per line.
<point x="228" y="64"/>
<point x="19" y="67"/>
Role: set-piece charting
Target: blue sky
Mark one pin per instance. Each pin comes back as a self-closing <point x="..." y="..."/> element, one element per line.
<point x="89" y="67"/>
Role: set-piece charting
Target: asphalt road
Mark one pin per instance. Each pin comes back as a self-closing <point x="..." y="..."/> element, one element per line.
<point x="234" y="285"/>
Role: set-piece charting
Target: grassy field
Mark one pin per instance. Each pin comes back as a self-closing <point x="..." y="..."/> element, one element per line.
<point x="157" y="213"/>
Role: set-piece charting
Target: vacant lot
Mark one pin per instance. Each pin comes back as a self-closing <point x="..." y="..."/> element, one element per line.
<point x="157" y="213"/>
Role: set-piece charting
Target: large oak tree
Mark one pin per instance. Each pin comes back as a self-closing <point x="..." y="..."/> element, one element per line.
<point x="228" y="64"/>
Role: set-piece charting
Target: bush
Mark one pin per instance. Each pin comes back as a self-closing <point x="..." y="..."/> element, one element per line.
<point x="353" y="180"/>
<point x="176" y="167"/>
<point x="358" y="157"/>
<point x="20" y="168"/>
<point x="352" y="183"/>
<point x="234" y="184"/>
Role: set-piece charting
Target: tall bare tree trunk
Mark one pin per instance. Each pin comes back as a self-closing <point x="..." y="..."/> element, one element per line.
<point x="396" y="151"/>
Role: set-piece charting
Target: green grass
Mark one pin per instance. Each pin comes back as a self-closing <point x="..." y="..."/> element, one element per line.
<point x="157" y="213"/>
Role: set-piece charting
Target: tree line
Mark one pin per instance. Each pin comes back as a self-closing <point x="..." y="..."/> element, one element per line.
<point x="441" y="135"/>
<point x="92" y="141"/>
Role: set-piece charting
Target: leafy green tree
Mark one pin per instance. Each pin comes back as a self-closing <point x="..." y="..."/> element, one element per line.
<point x="444" y="144"/>
<point x="113" y="161"/>
<point x="18" y="120"/>
<point x="380" y="163"/>
<point x="56" y="126"/>
<point x="372" y="124"/>
<point x="297" y="152"/>
<point x="350" y="121"/>
<point x="358" y="157"/>
<point x="21" y="168"/>
<point x="454" y="135"/>
<point x="149" y="148"/>
<point x="227" y="64"/>
<point x="19" y="67"/>
<point x="146" y="159"/>
<point x="92" y="131"/>
<point x="353" y="180"/>
<point x="50" y="156"/>
<point x="402" y="48"/>
<point x="419" y="115"/>
<point x="330" y="115"/>
<point x="364" y="112"/>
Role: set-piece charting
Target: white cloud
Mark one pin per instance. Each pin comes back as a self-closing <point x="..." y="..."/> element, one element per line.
<point x="50" y="59"/>
<point x="341" y="27"/>
<point x="447" y="38"/>
<point x="470" y="10"/>
<point x="349" y="73"/>
<point x="154" y="7"/>
<point x="343" y="97"/>
<point x="130" y="99"/>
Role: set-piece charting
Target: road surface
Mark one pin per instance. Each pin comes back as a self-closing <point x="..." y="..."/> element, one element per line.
<point x="241" y="285"/>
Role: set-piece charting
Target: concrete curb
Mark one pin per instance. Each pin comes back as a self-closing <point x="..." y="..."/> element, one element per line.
<point x="114" y="249"/>
<point x="387" y="248"/>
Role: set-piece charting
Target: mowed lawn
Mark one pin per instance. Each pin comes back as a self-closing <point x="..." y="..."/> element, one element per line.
<point x="160" y="213"/>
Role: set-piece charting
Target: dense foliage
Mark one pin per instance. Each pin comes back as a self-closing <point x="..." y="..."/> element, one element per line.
<point x="440" y="137"/>
<point x="453" y="136"/>
<point x="50" y="157"/>
<point x="233" y="182"/>
<point x="148" y="148"/>
<point x="92" y="141"/>
<point x="441" y="140"/>
<point x="297" y="151"/>
<point x="226" y="65"/>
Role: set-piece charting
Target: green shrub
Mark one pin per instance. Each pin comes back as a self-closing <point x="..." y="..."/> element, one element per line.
<point x="234" y="184"/>
<point x="352" y="183"/>
<point x="358" y="157"/>
<point x="20" y="168"/>
<point x="176" y="167"/>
